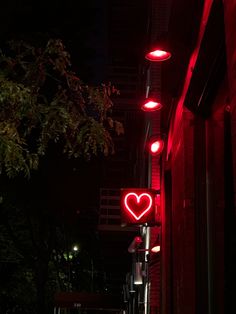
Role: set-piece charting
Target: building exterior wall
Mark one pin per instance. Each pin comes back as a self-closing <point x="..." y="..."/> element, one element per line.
<point x="193" y="221"/>
<point x="215" y="201"/>
<point x="182" y="219"/>
<point x="230" y="158"/>
<point x="198" y="199"/>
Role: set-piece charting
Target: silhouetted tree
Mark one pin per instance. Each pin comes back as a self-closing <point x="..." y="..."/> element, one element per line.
<point x="46" y="111"/>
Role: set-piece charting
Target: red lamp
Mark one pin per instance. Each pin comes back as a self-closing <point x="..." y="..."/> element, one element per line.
<point x="157" y="54"/>
<point x="150" y="105"/>
<point x="159" y="51"/>
<point x="155" y="146"/>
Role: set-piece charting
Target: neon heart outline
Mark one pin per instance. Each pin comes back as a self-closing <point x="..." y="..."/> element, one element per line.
<point x="138" y="200"/>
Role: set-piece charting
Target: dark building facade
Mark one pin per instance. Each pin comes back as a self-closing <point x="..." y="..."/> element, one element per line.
<point x="194" y="272"/>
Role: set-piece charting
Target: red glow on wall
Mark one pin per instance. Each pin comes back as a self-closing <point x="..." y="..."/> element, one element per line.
<point x="151" y="105"/>
<point x="158" y="55"/>
<point x="177" y="118"/>
<point x="138" y="206"/>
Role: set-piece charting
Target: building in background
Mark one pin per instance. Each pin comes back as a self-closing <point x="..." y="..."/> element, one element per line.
<point x="126" y="34"/>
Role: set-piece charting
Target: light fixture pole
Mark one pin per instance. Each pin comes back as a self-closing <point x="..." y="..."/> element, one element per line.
<point x="140" y="247"/>
<point x="146" y="236"/>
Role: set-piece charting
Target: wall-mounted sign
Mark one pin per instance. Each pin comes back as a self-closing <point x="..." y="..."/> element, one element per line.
<point x="138" y="206"/>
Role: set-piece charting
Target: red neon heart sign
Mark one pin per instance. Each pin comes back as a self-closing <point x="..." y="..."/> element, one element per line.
<point x="138" y="205"/>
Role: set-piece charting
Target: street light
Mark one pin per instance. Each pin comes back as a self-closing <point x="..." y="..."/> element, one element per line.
<point x="75" y="248"/>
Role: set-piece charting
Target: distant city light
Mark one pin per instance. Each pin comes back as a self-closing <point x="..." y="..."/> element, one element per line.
<point x="75" y="248"/>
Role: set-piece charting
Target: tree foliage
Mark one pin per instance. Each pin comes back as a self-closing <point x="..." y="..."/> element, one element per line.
<point x="43" y="101"/>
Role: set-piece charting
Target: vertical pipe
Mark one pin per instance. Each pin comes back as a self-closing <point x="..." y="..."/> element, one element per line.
<point x="146" y="236"/>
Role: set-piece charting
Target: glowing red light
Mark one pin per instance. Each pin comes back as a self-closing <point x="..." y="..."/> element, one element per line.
<point x="158" y="55"/>
<point x="138" y="240"/>
<point x="151" y="105"/>
<point x="143" y="201"/>
<point x="135" y="244"/>
<point x="156" y="147"/>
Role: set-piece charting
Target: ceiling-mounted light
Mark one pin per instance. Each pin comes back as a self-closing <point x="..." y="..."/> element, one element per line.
<point x="157" y="54"/>
<point x="151" y="105"/>
<point x="159" y="51"/>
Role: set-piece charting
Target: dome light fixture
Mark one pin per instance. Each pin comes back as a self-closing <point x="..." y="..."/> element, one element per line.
<point x="158" y="55"/>
<point x="159" y="51"/>
<point x="150" y="105"/>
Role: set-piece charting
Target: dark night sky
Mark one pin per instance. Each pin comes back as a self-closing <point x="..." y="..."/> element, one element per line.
<point x="80" y="24"/>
